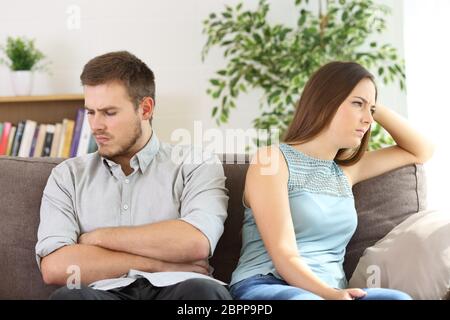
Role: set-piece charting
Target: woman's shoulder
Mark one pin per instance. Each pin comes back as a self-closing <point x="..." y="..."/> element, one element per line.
<point x="268" y="160"/>
<point x="267" y="170"/>
<point x="265" y="154"/>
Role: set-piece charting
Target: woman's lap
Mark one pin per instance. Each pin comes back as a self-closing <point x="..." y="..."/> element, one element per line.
<point x="268" y="287"/>
<point x="385" y="294"/>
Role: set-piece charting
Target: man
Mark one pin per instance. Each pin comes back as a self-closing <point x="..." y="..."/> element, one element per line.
<point x="124" y="218"/>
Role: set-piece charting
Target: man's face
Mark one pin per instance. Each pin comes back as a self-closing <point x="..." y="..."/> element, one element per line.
<point x="115" y="123"/>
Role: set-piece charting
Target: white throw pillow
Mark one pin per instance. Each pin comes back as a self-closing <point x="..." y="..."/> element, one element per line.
<point x="414" y="257"/>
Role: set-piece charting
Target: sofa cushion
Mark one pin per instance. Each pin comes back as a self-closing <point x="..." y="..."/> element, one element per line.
<point x="423" y="271"/>
<point x="22" y="181"/>
<point x="382" y="203"/>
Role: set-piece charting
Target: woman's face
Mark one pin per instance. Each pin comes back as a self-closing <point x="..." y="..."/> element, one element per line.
<point x="354" y="116"/>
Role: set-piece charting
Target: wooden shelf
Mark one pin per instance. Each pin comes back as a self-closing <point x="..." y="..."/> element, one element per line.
<point x="43" y="109"/>
<point x="60" y="97"/>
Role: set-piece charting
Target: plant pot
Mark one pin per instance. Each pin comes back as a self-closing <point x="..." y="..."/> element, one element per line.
<point x="22" y="82"/>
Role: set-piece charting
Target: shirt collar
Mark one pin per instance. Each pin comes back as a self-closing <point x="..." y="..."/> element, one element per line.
<point x="146" y="154"/>
<point x="141" y="159"/>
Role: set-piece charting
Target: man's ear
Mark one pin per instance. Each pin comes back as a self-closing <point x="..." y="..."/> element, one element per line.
<point x="146" y="108"/>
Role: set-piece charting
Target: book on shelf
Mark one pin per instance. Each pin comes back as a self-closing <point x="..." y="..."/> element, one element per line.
<point x="4" y="137"/>
<point x="12" y="133"/>
<point x="1" y="134"/>
<point x="49" y="133"/>
<point x="27" y="138"/>
<point x="18" y="139"/>
<point x="40" y="141"/>
<point x="85" y="135"/>
<point x="56" y="140"/>
<point x="34" y="141"/>
<point x="68" y="134"/>
<point x="77" y="132"/>
<point x="69" y="138"/>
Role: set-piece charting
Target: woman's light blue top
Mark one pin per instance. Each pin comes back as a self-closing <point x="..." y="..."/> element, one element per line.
<point x="324" y="218"/>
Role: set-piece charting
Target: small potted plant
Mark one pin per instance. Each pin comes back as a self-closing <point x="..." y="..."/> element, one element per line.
<point x="23" y="58"/>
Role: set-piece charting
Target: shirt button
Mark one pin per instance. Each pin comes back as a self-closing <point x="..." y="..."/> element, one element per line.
<point x="125" y="207"/>
<point x="127" y="181"/>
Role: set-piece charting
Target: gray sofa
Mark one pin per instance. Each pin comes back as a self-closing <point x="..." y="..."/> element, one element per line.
<point x="382" y="203"/>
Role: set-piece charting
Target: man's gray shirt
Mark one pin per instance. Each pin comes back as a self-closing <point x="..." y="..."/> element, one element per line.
<point x="168" y="182"/>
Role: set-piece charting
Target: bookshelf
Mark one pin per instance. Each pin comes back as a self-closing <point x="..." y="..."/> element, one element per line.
<point x="42" y="109"/>
<point x="42" y="126"/>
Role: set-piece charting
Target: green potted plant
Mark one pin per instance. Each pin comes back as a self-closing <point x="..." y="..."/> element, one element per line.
<point x="278" y="59"/>
<point x="22" y="58"/>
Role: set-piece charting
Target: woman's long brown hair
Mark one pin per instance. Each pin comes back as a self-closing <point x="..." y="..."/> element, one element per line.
<point x="324" y="92"/>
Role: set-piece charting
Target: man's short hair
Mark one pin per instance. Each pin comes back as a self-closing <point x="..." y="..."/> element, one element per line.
<point x="125" y="68"/>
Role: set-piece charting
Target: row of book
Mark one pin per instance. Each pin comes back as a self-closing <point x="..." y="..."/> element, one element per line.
<point x="70" y="138"/>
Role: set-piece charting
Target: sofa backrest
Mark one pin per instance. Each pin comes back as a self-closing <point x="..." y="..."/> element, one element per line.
<point x="226" y="255"/>
<point x="382" y="203"/>
<point x="22" y="181"/>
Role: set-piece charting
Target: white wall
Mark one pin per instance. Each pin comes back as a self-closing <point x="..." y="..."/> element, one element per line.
<point x="428" y="69"/>
<point x="165" y="34"/>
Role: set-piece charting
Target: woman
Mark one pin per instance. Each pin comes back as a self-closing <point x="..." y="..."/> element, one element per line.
<point x="300" y="211"/>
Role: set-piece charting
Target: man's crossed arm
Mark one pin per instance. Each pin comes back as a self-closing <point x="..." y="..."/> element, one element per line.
<point x="105" y="253"/>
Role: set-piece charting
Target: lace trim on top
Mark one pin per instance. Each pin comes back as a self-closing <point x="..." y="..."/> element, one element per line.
<point x="314" y="175"/>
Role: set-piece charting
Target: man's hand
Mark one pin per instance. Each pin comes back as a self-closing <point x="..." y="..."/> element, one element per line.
<point x="201" y="266"/>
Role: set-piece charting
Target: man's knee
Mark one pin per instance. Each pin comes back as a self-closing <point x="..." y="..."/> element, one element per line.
<point x="64" y="293"/>
<point x="84" y="293"/>
<point x="203" y="289"/>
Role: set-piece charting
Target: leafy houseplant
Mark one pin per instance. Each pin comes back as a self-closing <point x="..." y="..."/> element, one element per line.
<point x="279" y="59"/>
<point x="22" y="59"/>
